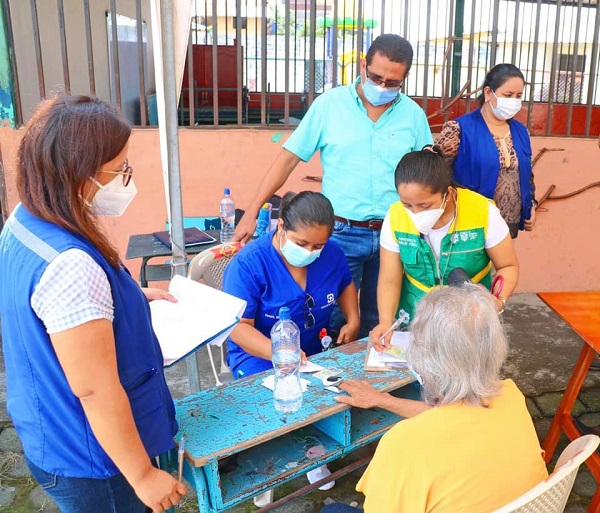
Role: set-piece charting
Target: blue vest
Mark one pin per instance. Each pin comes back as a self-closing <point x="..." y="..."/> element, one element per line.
<point x="48" y="417"/>
<point x="477" y="165"/>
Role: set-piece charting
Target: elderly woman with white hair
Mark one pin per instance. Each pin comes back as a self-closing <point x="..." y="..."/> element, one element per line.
<point x="471" y="445"/>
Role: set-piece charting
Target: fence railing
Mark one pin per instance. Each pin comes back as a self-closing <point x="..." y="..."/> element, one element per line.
<point x="262" y="62"/>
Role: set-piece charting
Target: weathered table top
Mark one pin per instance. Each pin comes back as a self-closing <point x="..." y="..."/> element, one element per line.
<point x="231" y="418"/>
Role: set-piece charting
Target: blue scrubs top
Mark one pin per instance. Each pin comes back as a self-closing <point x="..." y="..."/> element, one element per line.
<point x="258" y="274"/>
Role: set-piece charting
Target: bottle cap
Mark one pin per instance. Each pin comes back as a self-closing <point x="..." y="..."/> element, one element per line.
<point x="227" y="191"/>
<point x="284" y="314"/>
<point x="322" y="333"/>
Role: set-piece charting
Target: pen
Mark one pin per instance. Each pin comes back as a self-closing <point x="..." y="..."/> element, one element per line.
<point x="180" y="457"/>
<point x="396" y="324"/>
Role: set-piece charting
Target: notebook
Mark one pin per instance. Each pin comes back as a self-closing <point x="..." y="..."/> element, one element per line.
<point x="201" y="315"/>
<point x="193" y="237"/>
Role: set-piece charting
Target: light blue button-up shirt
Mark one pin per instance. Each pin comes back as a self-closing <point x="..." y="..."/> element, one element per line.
<point x="359" y="157"/>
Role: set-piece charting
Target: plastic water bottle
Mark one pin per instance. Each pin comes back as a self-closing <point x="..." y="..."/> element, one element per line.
<point x="285" y="340"/>
<point x="263" y="222"/>
<point x="227" y="211"/>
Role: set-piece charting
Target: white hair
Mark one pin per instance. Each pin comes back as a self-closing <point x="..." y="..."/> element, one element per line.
<point x="459" y="346"/>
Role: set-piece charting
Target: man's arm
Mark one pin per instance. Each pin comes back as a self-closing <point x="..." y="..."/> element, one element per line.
<point x="277" y="175"/>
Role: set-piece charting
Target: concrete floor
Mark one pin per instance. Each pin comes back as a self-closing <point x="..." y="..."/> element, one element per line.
<point x="543" y="351"/>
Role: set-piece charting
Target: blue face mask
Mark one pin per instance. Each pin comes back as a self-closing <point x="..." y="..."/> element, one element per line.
<point x="377" y="95"/>
<point x="297" y="255"/>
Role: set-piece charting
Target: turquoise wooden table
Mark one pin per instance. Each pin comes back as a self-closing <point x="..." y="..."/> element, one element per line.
<point x="239" y="419"/>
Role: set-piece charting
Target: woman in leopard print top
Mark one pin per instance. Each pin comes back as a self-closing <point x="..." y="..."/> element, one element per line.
<point x="500" y="101"/>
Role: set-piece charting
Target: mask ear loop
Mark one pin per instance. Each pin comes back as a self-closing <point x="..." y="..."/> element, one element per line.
<point x="280" y="235"/>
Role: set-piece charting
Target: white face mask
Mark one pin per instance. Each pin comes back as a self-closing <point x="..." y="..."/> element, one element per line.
<point x="506" y="108"/>
<point x="297" y="255"/>
<point x="424" y="221"/>
<point x="113" y="198"/>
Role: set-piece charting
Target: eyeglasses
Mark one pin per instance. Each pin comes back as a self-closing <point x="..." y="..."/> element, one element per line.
<point x="388" y="84"/>
<point x="309" y="318"/>
<point x="127" y="172"/>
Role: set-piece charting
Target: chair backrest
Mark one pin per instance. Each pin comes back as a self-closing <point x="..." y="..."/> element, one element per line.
<point x="211" y="263"/>
<point x="550" y="496"/>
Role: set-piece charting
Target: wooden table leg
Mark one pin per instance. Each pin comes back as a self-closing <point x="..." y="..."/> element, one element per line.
<point x="568" y="400"/>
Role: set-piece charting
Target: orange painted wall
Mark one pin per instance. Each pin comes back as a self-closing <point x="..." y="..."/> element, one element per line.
<point x="563" y="253"/>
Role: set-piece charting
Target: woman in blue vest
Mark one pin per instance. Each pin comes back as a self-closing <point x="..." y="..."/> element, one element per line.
<point x="86" y="390"/>
<point x="492" y="151"/>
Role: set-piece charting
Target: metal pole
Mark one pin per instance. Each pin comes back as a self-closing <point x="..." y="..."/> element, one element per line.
<point x="457" y="48"/>
<point x="174" y="172"/>
<point x="10" y="42"/>
<point x="312" y="51"/>
<point x="115" y="51"/>
<point x="38" y="49"/>
<point x="63" y="45"/>
<point x="573" y="69"/>
<point x="141" y="68"/>
<point x="215" y="63"/>
<point x="534" y="63"/>
<point x="286" y="77"/>
<point x="88" y="42"/>
<point x="594" y="59"/>
<point x="494" y="34"/>
<point x="470" y="58"/>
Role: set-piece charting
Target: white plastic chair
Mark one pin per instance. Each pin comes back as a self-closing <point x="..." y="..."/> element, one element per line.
<point x="209" y="267"/>
<point x="550" y="496"/>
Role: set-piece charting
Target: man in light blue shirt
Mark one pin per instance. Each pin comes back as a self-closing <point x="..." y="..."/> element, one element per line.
<point x="362" y="131"/>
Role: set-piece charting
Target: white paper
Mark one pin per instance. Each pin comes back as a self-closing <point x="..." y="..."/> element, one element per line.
<point x="400" y="339"/>
<point x="201" y="314"/>
<point x="269" y="382"/>
<point x="309" y="367"/>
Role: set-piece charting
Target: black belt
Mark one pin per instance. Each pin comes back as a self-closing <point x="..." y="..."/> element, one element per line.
<point x="373" y="224"/>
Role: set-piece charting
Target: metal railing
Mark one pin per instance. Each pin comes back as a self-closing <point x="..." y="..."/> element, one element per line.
<point x="263" y="62"/>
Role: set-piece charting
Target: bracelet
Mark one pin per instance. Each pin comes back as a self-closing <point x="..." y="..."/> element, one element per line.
<point x="503" y="300"/>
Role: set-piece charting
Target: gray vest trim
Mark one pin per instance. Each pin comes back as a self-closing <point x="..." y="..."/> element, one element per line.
<point x="30" y="240"/>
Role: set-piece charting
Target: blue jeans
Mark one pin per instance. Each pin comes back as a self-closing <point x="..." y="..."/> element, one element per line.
<point x="83" y="495"/>
<point x="338" y="507"/>
<point x="361" y="247"/>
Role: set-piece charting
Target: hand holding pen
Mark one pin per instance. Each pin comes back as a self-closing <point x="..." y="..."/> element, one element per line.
<point x="380" y="336"/>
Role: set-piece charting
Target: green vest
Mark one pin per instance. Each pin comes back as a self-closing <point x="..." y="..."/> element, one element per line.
<point x="463" y="246"/>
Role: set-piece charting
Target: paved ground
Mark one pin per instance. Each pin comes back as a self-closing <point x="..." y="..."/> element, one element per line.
<point x="543" y="351"/>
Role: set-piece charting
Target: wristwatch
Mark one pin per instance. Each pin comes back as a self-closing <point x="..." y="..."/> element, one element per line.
<point x="503" y="301"/>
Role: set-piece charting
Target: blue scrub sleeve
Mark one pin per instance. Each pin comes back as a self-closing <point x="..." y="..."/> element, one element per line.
<point x="239" y="281"/>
